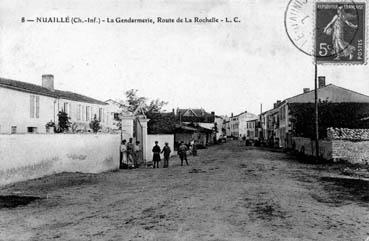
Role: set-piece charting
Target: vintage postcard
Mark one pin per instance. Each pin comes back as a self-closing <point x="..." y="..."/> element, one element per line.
<point x="184" y="120"/>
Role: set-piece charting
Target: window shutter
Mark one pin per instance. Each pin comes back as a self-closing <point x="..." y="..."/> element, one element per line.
<point x="37" y="106"/>
<point x="32" y="106"/>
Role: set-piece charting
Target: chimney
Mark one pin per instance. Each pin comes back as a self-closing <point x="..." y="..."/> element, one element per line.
<point x="306" y="90"/>
<point x="276" y="104"/>
<point x="48" y="81"/>
<point x="321" y="81"/>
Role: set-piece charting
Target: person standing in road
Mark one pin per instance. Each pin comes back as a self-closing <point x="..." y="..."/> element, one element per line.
<point x="123" y="151"/>
<point x="137" y="152"/>
<point x="182" y="152"/>
<point x="156" y="154"/>
<point x="194" y="148"/>
<point x="166" y="150"/>
<point x="130" y="158"/>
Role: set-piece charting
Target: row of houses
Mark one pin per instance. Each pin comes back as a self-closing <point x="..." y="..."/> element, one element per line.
<point x="27" y="108"/>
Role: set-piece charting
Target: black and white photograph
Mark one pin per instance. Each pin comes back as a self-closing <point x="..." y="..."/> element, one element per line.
<point x="184" y="120"/>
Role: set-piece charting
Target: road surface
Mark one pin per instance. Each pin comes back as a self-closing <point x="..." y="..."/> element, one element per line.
<point x="229" y="192"/>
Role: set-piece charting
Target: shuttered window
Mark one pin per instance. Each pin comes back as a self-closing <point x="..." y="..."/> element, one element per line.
<point x="37" y="106"/>
<point x="32" y="106"/>
<point x="83" y="113"/>
<point x="88" y="114"/>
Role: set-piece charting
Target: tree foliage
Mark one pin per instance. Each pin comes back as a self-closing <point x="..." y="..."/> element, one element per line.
<point x="133" y="101"/>
<point x="339" y="115"/>
<point x="63" y="122"/>
<point x="95" y="124"/>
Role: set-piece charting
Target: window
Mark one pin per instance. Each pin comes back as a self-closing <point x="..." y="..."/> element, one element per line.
<point x="116" y="116"/>
<point x="100" y="113"/>
<point x="65" y="109"/>
<point x="32" y="129"/>
<point x="88" y="114"/>
<point x="34" y="106"/>
<point x="79" y="108"/>
<point x="14" y="130"/>
<point x="83" y="113"/>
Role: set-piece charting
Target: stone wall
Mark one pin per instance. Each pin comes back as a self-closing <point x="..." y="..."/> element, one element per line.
<point x="353" y="152"/>
<point x="307" y="147"/>
<point x="29" y="156"/>
<point x="348" y="134"/>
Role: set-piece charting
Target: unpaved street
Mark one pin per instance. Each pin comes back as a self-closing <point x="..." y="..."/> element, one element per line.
<point x="228" y="192"/>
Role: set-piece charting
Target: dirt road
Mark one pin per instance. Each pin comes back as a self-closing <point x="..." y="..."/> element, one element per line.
<point x="227" y="193"/>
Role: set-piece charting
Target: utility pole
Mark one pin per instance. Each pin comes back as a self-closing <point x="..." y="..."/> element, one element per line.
<point x="316" y="112"/>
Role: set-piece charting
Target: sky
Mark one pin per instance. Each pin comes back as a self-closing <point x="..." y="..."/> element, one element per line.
<point x="222" y="67"/>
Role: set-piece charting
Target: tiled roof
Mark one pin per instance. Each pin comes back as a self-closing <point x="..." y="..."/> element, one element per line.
<point x="197" y="112"/>
<point x="331" y="93"/>
<point x="37" y="89"/>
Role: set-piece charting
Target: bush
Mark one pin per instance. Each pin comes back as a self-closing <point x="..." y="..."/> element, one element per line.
<point x="95" y="125"/>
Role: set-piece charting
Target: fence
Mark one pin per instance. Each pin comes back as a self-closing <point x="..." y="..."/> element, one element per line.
<point x="28" y="156"/>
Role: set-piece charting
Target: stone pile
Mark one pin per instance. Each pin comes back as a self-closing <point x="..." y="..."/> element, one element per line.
<point x="348" y="134"/>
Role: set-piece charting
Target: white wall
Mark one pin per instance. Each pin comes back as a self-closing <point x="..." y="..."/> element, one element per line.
<point x="15" y="111"/>
<point x="161" y="139"/>
<point x="28" y="156"/>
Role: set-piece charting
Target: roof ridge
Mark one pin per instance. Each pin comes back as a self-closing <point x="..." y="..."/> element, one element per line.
<point x="39" y="89"/>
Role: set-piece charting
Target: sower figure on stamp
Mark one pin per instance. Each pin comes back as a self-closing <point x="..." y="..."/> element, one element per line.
<point x="182" y="152"/>
<point x="336" y="28"/>
<point x="156" y="154"/>
<point x="166" y="150"/>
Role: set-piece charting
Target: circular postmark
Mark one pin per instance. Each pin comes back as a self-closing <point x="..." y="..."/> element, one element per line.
<point x="299" y="24"/>
<point x="329" y="31"/>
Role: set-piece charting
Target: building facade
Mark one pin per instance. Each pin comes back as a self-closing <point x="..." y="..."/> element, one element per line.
<point x="27" y="108"/>
<point x="276" y="123"/>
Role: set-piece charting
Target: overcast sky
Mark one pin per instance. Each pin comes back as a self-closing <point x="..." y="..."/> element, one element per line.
<point x="220" y="67"/>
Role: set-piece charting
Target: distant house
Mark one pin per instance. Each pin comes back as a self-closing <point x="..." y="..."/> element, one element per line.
<point x="195" y="124"/>
<point x="252" y="128"/>
<point x="27" y="108"/>
<point x="238" y="124"/>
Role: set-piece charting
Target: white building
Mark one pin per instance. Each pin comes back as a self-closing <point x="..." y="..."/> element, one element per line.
<point x="239" y="124"/>
<point x="27" y="108"/>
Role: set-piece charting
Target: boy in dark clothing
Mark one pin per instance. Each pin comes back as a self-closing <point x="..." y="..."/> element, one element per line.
<point x="156" y="154"/>
<point x="166" y="150"/>
<point x="182" y="153"/>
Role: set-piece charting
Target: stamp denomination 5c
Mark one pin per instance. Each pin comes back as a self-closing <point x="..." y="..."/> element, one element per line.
<point x="340" y="33"/>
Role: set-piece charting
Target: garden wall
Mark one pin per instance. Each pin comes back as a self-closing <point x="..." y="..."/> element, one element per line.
<point x="28" y="156"/>
<point x="307" y="147"/>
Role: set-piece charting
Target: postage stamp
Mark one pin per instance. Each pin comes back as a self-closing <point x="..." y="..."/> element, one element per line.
<point x="340" y="32"/>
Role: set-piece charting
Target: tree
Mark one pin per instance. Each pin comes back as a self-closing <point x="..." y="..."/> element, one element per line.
<point x="95" y="124"/>
<point x="63" y="122"/>
<point x="133" y="101"/>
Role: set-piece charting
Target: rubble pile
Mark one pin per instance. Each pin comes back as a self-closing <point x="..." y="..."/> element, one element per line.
<point x="348" y="134"/>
